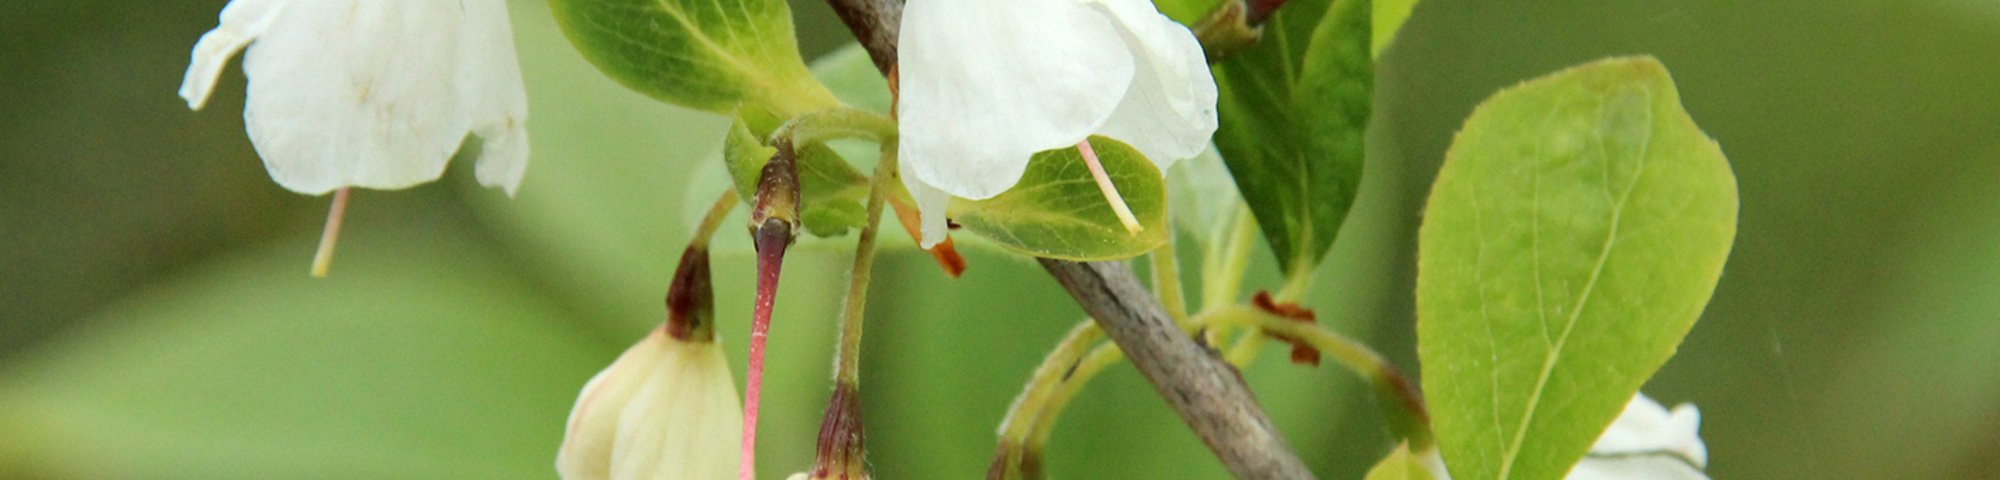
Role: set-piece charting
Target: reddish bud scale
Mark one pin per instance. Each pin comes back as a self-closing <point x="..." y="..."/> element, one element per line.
<point x="840" y="455"/>
<point x="1302" y="353"/>
<point x="691" y="299"/>
<point x="946" y="255"/>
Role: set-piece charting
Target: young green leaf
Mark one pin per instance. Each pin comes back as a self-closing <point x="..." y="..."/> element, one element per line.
<point x="1293" y="110"/>
<point x="1057" y="211"/>
<point x="1400" y="465"/>
<point x="830" y="190"/>
<point x="714" y="55"/>
<point x="1575" y="233"/>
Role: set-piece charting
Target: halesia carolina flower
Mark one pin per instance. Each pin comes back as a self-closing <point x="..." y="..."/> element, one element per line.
<point x="985" y="84"/>
<point x="666" y="410"/>
<point x="1647" y="442"/>
<point x="371" y="93"/>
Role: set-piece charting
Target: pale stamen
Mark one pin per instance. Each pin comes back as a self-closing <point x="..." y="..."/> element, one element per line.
<point x="327" y="238"/>
<point x="1110" y="191"/>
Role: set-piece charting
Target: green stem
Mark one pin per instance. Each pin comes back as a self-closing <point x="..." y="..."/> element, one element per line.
<point x="1063" y="374"/>
<point x="847" y="366"/>
<point x="1057" y="368"/>
<point x="1226" y="278"/>
<point x="837" y="123"/>
<point x="1167" y="280"/>
<point x="1400" y="400"/>
<point x="1246" y="348"/>
<point x="713" y="220"/>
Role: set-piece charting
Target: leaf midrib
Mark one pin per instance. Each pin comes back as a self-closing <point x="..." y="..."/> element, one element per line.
<point x="1583" y="299"/>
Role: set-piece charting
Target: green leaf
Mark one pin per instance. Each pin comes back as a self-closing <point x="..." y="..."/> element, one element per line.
<point x="1057" y="211"/>
<point x="713" y="55"/>
<point x="1389" y="18"/>
<point x="1293" y="111"/>
<point x="1400" y="465"/>
<point x="1573" y="237"/>
<point x="830" y="189"/>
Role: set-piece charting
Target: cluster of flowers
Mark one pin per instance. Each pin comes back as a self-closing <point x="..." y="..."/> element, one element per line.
<point x="381" y="93"/>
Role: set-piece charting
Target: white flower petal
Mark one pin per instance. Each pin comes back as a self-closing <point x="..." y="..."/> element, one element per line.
<point x="1645" y="426"/>
<point x="987" y="83"/>
<point x="587" y="441"/>
<point x="371" y="93"/>
<point x="931" y="205"/>
<point x="242" y="21"/>
<point x="356" y="93"/>
<point x="1169" y="112"/>
<point x="1658" y="467"/>
<point x="685" y="423"/>
<point x="667" y="409"/>
<point x="490" y="80"/>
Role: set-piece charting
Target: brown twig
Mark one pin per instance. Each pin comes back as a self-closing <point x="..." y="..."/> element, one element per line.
<point x="1207" y="393"/>
<point x="875" y="24"/>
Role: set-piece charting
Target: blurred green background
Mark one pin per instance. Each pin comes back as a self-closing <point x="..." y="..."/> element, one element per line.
<point x="156" y="321"/>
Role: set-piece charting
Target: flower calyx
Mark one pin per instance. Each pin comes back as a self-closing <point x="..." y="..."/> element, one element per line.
<point x="841" y="454"/>
<point x="691" y="298"/>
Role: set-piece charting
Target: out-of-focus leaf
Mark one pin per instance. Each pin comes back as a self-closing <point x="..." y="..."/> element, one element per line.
<point x="714" y="55"/>
<point x="1293" y="111"/>
<point x="1572" y="238"/>
<point x="1202" y="195"/>
<point x="1389" y="18"/>
<point x="852" y="77"/>
<point x="417" y="359"/>
<point x="1057" y="211"/>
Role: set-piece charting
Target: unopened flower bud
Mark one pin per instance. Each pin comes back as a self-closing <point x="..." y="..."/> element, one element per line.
<point x="666" y="409"/>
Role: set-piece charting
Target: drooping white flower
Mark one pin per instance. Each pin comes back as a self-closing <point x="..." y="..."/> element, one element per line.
<point x="1646" y="442"/>
<point x="371" y="93"/>
<point x="985" y="84"/>
<point x="666" y="409"/>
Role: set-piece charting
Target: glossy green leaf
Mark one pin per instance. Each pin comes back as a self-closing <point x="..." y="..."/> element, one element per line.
<point x="1400" y="465"/>
<point x="1574" y="235"/>
<point x="1293" y="111"/>
<point x="1057" y="211"/>
<point x="714" y="55"/>
<point x="831" y="190"/>
<point x="1389" y="18"/>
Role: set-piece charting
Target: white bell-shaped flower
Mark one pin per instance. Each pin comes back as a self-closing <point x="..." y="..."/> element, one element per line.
<point x="1646" y="442"/>
<point x="666" y="409"/>
<point x="985" y="84"/>
<point x="371" y="93"/>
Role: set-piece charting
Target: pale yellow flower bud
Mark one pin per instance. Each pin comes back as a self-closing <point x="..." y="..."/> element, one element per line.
<point x="666" y="409"/>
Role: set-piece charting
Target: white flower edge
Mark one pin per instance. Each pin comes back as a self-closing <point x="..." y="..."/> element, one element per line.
<point x="1646" y="442"/>
<point x="986" y="84"/>
<point x="371" y="93"/>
